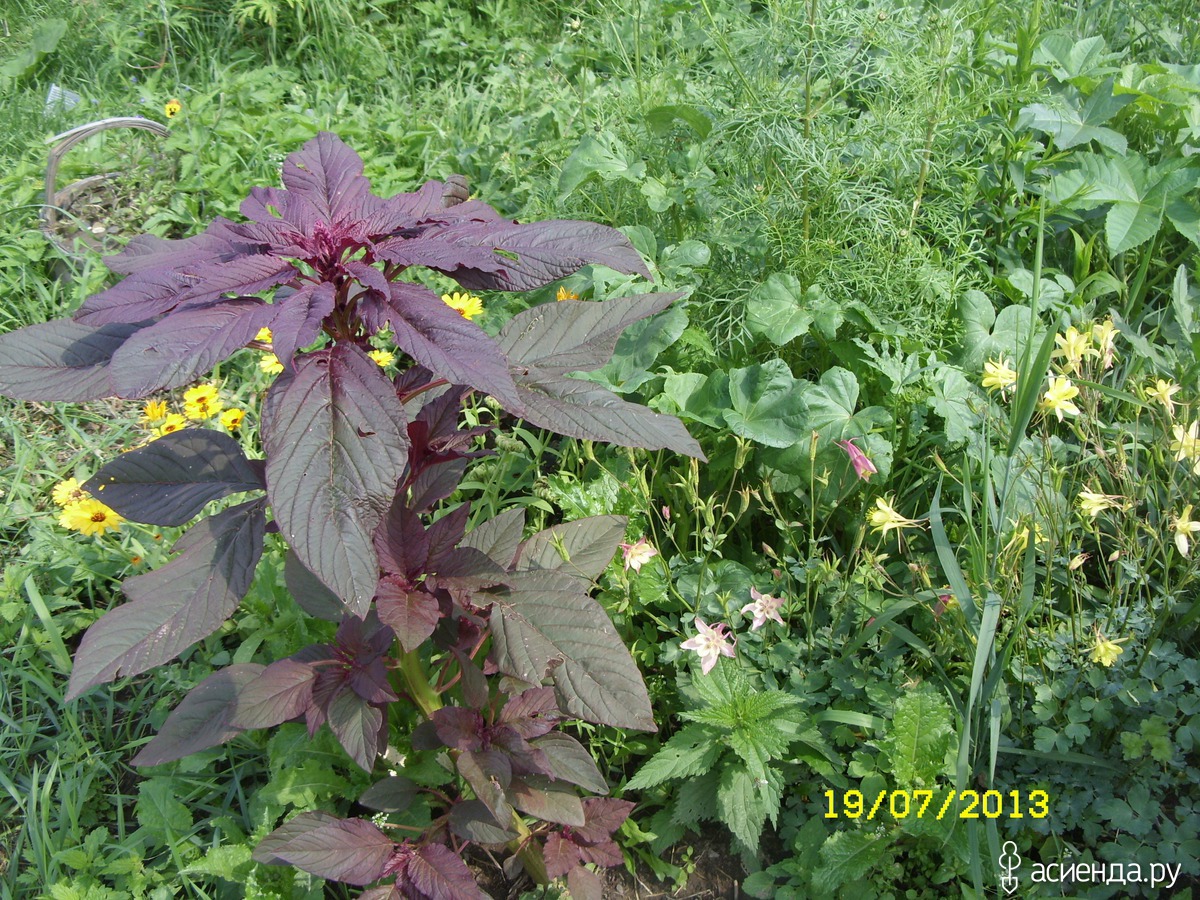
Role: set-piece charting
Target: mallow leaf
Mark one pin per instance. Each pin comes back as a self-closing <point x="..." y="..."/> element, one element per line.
<point x="173" y="478"/>
<point x="202" y="719"/>
<point x="336" y="443"/>
<point x="353" y="851"/>
<point x="176" y="605"/>
<point x="767" y="405"/>
<point x="545" y="625"/>
<point x="61" y="360"/>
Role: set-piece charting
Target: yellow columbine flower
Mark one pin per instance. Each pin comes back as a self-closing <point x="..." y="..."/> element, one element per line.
<point x="382" y="357"/>
<point x="154" y="411"/>
<point x="1105" y="335"/>
<point x="232" y="418"/>
<point x="1073" y="347"/>
<point x="67" y="492"/>
<point x="1105" y="651"/>
<point x="467" y="305"/>
<point x="90" y="517"/>
<point x="264" y="335"/>
<point x="173" y="108"/>
<point x="564" y="294"/>
<point x="1058" y="397"/>
<point x="1091" y="504"/>
<point x="270" y="364"/>
<point x="1185" y="526"/>
<point x="202" y="402"/>
<point x="173" y="422"/>
<point x="1186" y="445"/>
<point x="884" y="518"/>
<point x="997" y="375"/>
<point x="1020" y="537"/>
<point x="1163" y="391"/>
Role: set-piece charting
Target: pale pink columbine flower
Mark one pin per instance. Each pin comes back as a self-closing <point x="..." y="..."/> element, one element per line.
<point x="764" y="607"/>
<point x="637" y="554"/>
<point x="710" y="644"/>
<point x="863" y="467"/>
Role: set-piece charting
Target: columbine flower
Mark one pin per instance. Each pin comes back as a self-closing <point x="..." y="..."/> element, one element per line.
<point x="172" y="108"/>
<point x="382" y="357"/>
<point x="1105" y="651"/>
<point x="1058" y="397"/>
<point x="638" y="554"/>
<point x="270" y="364"/>
<point x="1185" y="527"/>
<point x="90" y="517"/>
<point x="863" y="467"/>
<point x="173" y="422"/>
<point x="67" y="492"/>
<point x="154" y="411"/>
<point x="1019" y="539"/>
<point x="1092" y="504"/>
<point x="1186" y="445"/>
<point x="202" y="402"/>
<point x="710" y="643"/>
<point x="232" y="418"/>
<point x="763" y="607"/>
<point x="946" y="600"/>
<point x="467" y="305"/>
<point x="884" y="518"/>
<point x="1073" y="347"/>
<point x="564" y="294"/>
<point x="998" y="375"/>
<point x="1163" y="391"/>
<point x="1105" y="335"/>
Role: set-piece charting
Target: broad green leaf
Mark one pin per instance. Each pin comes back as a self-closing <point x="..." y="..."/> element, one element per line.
<point x="160" y="812"/>
<point x="920" y="735"/>
<point x="46" y="35"/>
<point x="959" y="402"/>
<point x="766" y="405"/>
<point x="1184" y="214"/>
<point x="639" y="348"/>
<point x="831" y="408"/>
<point x="701" y="583"/>
<point x="778" y="310"/>
<point x="603" y="155"/>
<point x="1072" y="121"/>
<point x="337" y="444"/>
<point x="990" y="336"/>
<point x="698" y="398"/>
<point x="850" y="855"/>
<point x="691" y="751"/>
<point x="303" y="784"/>
<point x="231" y="862"/>
<point x="349" y="850"/>
<point x="176" y="605"/>
<point x="546" y="625"/>
<point x="173" y="478"/>
<point x="581" y="549"/>
<point x="1069" y="59"/>
<point x="741" y="805"/>
<point x="201" y="720"/>
<point x="661" y="119"/>
<point x="60" y="360"/>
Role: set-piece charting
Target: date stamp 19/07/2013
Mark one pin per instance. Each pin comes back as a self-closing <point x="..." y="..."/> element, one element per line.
<point x="936" y="804"/>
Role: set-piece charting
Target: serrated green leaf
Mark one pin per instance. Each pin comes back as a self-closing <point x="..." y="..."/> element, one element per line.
<point x="691" y="751"/>
<point x="696" y="799"/>
<point x="849" y="855"/>
<point x="160" y="812"/>
<point x="742" y="807"/>
<point x="304" y="786"/>
<point x="231" y="862"/>
<point x="919" y="737"/>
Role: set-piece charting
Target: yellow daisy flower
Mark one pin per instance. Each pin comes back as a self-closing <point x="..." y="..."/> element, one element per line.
<point x="67" y="492"/>
<point x="564" y="294"/>
<point x="467" y="305"/>
<point x="202" y="402"/>
<point x="90" y="517"/>
<point x="270" y="364"/>
<point x="382" y="357"/>
<point x="264" y="335"/>
<point x="173" y="422"/>
<point x="154" y="412"/>
<point x="232" y="418"/>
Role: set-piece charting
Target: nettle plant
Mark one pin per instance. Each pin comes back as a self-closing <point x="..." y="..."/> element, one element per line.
<point x="356" y="467"/>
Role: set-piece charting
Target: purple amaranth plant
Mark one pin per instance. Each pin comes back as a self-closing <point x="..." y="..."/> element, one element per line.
<point x="355" y="464"/>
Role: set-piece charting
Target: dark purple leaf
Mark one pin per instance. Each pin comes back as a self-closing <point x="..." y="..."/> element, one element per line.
<point x="393" y="794"/>
<point x="471" y="820"/>
<point x="440" y="874"/>
<point x="458" y="728"/>
<point x="202" y="718"/>
<point x="176" y="605"/>
<point x="173" y="478"/>
<point x="545" y="622"/>
<point x="498" y="537"/>
<point x="604" y="816"/>
<point x="588" y="544"/>
<point x="435" y="483"/>
<point x="561" y="855"/>
<point x="584" y="884"/>
<point x="217" y="244"/>
<point x="356" y="723"/>
<point x="60" y="360"/>
<point x="570" y="761"/>
<point x="400" y="542"/>
<point x="581" y="409"/>
<point x="447" y="343"/>
<point x="309" y="592"/>
<point x="489" y="773"/>
<point x="544" y="799"/>
<point x="353" y="851"/>
<point x="336" y="447"/>
<point x="531" y="713"/>
<point x="369" y="679"/>
<point x="282" y="691"/>
<point x="413" y="615"/>
<point x="329" y="175"/>
<point x="186" y="344"/>
<point x="557" y="338"/>
<point x="298" y="320"/>
<point x="605" y="853"/>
